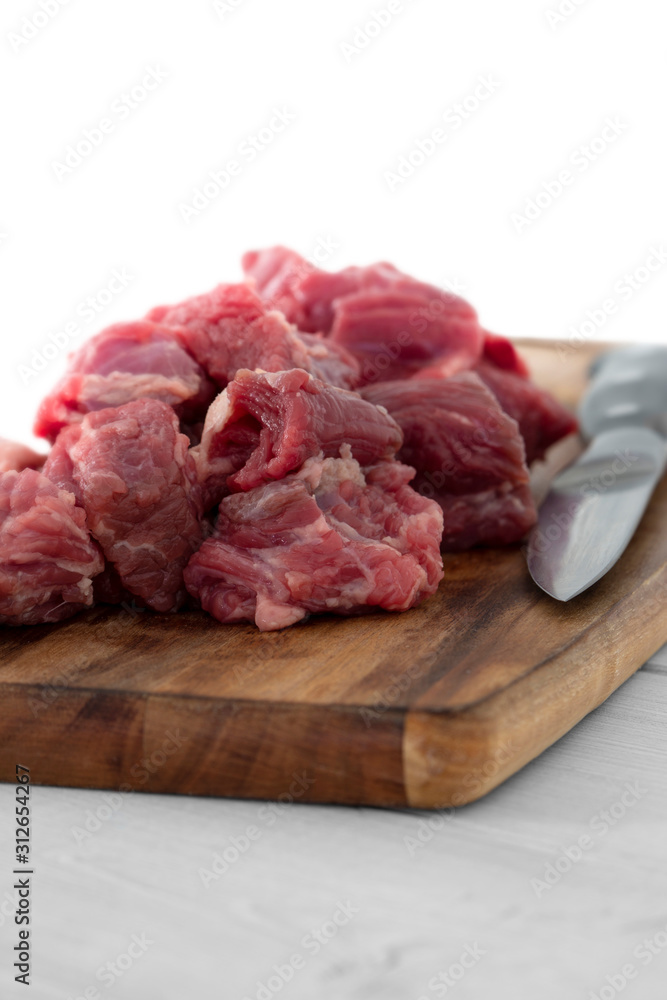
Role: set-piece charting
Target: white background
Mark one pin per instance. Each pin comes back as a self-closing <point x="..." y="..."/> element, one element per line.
<point x="356" y="112"/>
<point x="450" y="222"/>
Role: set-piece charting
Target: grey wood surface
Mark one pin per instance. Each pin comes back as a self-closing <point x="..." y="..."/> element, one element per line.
<point x="410" y="898"/>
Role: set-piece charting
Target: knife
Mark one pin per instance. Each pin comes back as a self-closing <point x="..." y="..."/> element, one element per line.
<point x="594" y="505"/>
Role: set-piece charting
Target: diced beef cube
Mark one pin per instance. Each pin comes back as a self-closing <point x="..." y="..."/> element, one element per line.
<point x="395" y="333"/>
<point x="135" y="478"/>
<point x="541" y="418"/>
<point x="392" y="323"/>
<point x="468" y="453"/>
<point x="127" y="361"/>
<point x="265" y="425"/>
<point x="47" y="557"/>
<point x="230" y="328"/>
<point x="331" y="538"/>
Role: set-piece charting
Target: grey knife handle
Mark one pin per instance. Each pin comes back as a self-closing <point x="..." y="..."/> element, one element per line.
<point x="628" y="389"/>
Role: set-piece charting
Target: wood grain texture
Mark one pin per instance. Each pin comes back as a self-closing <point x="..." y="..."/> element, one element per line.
<point x="425" y="884"/>
<point x="429" y="708"/>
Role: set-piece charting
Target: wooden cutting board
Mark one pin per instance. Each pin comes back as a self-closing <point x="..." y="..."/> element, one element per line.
<point x="430" y="708"/>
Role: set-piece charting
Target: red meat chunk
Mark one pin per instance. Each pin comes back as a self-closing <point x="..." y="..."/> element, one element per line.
<point x="230" y="328"/>
<point x="541" y="418"/>
<point x="108" y="588"/>
<point x="391" y="322"/>
<point x="47" y="557"/>
<point x="469" y="456"/>
<point x="396" y="333"/>
<point x="59" y="467"/>
<point x="331" y="538"/>
<point x="330" y="362"/>
<point x="502" y="353"/>
<point x="135" y="478"/>
<point x="265" y="425"/>
<point x="306" y="295"/>
<point x="15" y="457"/>
<point x="317" y="511"/>
<point x="279" y="276"/>
<point x="125" y="362"/>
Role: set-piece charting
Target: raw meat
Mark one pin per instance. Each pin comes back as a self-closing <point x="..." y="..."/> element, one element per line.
<point x="502" y="353"/>
<point x="330" y="362"/>
<point x="331" y="538"/>
<point x="59" y="467"/>
<point x="391" y="322"/>
<point x="230" y="328"/>
<point x="242" y="399"/>
<point x="279" y="275"/>
<point x="125" y="362"/>
<point x="541" y="418"/>
<point x="469" y="456"/>
<point x="47" y="557"/>
<point x="305" y="294"/>
<point x="15" y="457"/>
<point x="108" y="587"/>
<point x="395" y="333"/>
<point x="265" y="425"/>
<point x="135" y="478"/>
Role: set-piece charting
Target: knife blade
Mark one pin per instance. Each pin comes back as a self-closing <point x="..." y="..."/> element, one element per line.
<point x="595" y="505"/>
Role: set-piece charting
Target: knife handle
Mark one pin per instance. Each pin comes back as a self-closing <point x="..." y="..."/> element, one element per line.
<point x="628" y="389"/>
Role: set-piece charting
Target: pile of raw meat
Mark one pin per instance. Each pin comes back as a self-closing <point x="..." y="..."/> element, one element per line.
<point x="298" y="443"/>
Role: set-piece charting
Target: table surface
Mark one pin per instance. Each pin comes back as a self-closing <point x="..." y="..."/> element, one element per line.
<point x="553" y="886"/>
